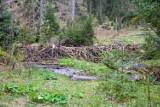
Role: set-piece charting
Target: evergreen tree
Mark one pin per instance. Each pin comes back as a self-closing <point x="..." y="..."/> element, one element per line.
<point x="148" y="11"/>
<point x="5" y="29"/>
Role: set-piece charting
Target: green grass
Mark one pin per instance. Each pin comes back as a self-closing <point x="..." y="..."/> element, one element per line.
<point x="132" y="40"/>
<point x="127" y="40"/>
<point x="99" y="93"/>
<point x="121" y="89"/>
<point x="82" y="93"/>
<point x="89" y="68"/>
<point x="155" y="63"/>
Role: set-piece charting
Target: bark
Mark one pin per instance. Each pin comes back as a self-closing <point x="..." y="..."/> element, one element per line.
<point x="33" y="14"/>
<point x="100" y="10"/>
<point x="9" y="3"/>
<point x="73" y="10"/>
<point x="158" y="32"/>
<point x="41" y="15"/>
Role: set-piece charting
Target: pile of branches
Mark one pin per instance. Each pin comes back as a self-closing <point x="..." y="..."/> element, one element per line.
<point x="91" y="53"/>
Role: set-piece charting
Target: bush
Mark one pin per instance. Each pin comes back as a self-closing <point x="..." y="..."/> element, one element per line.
<point x="16" y="89"/>
<point x="49" y="97"/>
<point x="152" y="47"/>
<point x="80" y="32"/>
<point x="6" y="58"/>
<point x="119" y="88"/>
<point x="115" y="59"/>
<point x="50" y="77"/>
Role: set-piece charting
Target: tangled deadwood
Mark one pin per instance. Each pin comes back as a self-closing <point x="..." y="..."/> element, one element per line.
<point x="38" y="53"/>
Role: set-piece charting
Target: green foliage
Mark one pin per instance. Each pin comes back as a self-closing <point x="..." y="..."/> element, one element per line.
<point x="153" y="63"/>
<point x="88" y="67"/>
<point x="6" y="58"/>
<point x="50" y="26"/>
<point x="133" y="93"/>
<point x="1" y="90"/>
<point x="148" y="11"/>
<point x="16" y="89"/>
<point x="80" y="32"/>
<point x="119" y="88"/>
<point x="49" y="97"/>
<point x="114" y="59"/>
<point x="152" y="47"/>
<point x="9" y="28"/>
<point x="5" y="23"/>
<point x="77" y="95"/>
<point x="51" y="77"/>
<point x="112" y="9"/>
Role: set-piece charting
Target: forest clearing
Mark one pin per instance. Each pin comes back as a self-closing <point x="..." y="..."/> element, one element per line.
<point x="79" y="53"/>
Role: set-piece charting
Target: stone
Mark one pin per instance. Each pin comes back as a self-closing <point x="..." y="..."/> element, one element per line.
<point x="135" y="77"/>
<point x="83" y="78"/>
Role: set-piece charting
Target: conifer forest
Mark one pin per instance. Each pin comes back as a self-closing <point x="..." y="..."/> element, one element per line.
<point x="79" y="53"/>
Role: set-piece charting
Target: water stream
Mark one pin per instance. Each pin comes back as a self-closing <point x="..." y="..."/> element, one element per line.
<point x="70" y="72"/>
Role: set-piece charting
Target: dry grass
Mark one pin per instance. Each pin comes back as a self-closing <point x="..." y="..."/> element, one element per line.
<point x="126" y="36"/>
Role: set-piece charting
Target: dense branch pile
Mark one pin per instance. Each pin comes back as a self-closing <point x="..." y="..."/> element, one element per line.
<point x="37" y="53"/>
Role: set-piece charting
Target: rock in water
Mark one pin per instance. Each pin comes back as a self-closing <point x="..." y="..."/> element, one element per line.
<point x="83" y="78"/>
<point x="135" y="77"/>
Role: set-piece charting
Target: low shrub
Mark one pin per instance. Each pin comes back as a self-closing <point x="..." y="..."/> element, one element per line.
<point x="114" y="59"/>
<point x="53" y="97"/>
<point x="50" y="77"/>
<point x="16" y="89"/>
<point x="77" y="95"/>
<point x="120" y="87"/>
<point x="6" y="58"/>
<point x="152" y="47"/>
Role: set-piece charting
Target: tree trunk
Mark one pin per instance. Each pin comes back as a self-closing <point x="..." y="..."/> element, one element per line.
<point x="73" y="10"/>
<point x="33" y="15"/>
<point x="100" y="11"/>
<point x="9" y="3"/>
<point x="41" y="15"/>
<point x="158" y="31"/>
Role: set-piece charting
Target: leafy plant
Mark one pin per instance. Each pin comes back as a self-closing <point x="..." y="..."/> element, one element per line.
<point x="11" y="88"/>
<point x="49" y="97"/>
<point x="77" y="95"/>
<point x="1" y="90"/>
<point x="51" y="77"/>
<point x="16" y="89"/>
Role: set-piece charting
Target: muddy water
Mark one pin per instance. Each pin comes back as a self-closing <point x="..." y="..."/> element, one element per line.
<point x="61" y="70"/>
<point x="71" y="72"/>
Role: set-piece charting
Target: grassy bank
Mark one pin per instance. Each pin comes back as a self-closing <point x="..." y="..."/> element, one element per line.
<point x="45" y="88"/>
